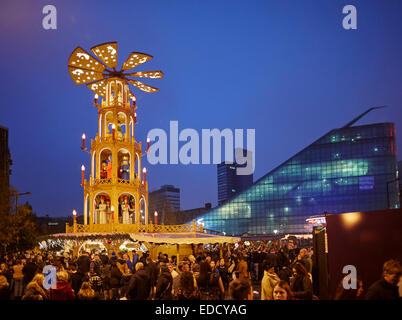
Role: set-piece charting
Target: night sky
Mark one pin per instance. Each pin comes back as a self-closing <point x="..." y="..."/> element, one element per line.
<point x="285" y="68"/>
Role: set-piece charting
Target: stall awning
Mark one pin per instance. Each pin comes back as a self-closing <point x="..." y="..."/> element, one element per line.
<point x="182" y="238"/>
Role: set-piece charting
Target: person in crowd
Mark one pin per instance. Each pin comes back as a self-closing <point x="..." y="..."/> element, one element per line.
<point x="387" y="287"/>
<point x="195" y="269"/>
<point x="183" y="267"/>
<point x="224" y="273"/>
<point x="5" y="271"/>
<point x="104" y="258"/>
<point x="105" y="275"/>
<point x="139" y="287"/>
<point x="63" y="290"/>
<point x="128" y="262"/>
<point x="269" y="280"/>
<point x="152" y="270"/>
<point x="240" y="289"/>
<point x="242" y="269"/>
<point x="203" y="279"/>
<point x="172" y="271"/>
<point x="136" y="259"/>
<point x="83" y="263"/>
<point x="349" y="294"/>
<point x="187" y="289"/>
<point x="191" y="259"/>
<point x="282" y="291"/>
<point x="164" y="285"/>
<point x="5" y="293"/>
<point x="304" y="258"/>
<point x="95" y="265"/>
<point x="115" y="280"/>
<point x="300" y="283"/>
<point x="29" y="270"/>
<point x="35" y="289"/>
<point x="96" y="284"/>
<point x="75" y="278"/>
<point x="216" y="290"/>
<point x="86" y="292"/>
<point x="18" y="279"/>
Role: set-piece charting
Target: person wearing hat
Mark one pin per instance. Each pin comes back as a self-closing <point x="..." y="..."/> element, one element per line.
<point x="102" y="210"/>
<point x="126" y="209"/>
<point x="269" y="280"/>
<point x="109" y="168"/>
<point x="125" y="169"/>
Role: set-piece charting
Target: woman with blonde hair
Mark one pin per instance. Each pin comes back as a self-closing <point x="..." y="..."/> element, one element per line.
<point x="63" y="290"/>
<point x="35" y="290"/>
<point x="86" y="292"/>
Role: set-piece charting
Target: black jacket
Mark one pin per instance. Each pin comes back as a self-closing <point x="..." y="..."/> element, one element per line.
<point x="139" y="286"/>
<point x="382" y="290"/>
<point x="164" y="287"/>
<point x="83" y="263"/>
<point x="76" y="280"/>
<point x="104" y="258"/>
<point x="152" y="270"/>
<point x="29" y="272"/>
<point x="302" y="288"/>
<point x="115" y="277"/>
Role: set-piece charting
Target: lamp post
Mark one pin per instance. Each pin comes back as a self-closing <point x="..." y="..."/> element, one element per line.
<point x="16" y="199"/>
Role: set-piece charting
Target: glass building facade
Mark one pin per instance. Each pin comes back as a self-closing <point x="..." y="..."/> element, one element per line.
<point x="347" y="170"/>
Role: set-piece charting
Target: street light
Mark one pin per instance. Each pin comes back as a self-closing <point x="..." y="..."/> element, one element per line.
<point x="16" y="199"/>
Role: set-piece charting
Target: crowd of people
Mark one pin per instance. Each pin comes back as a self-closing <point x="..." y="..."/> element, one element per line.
<point x="256" y="271"/>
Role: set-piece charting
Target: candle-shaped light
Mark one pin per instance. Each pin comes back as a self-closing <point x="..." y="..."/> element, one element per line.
<point x="148" y="141"/>
<point x="74" y="215"/>
<point x="82" y="174"/>
<point x="96" y="99"/>
<point x="156" y="217"/>
<point x="113" y="130"/>
<point x="112" y="211"/>
<point x="144" y="171"/>
<point x="83" y="141"/>
<point x="135" y="117"/>
<point x="134" y="100"/>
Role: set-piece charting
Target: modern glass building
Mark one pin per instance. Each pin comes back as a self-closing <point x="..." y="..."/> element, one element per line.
<point x="349" y="169"/>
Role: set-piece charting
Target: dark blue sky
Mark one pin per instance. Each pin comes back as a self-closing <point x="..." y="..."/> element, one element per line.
<point x="286" y="68"/>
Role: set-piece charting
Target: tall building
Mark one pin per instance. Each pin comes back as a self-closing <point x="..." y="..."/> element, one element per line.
<point x="165" y="200"/>
<point x="5" y="158"/>
<point x="229" y="182"/>
<point x="345" y="170"/>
